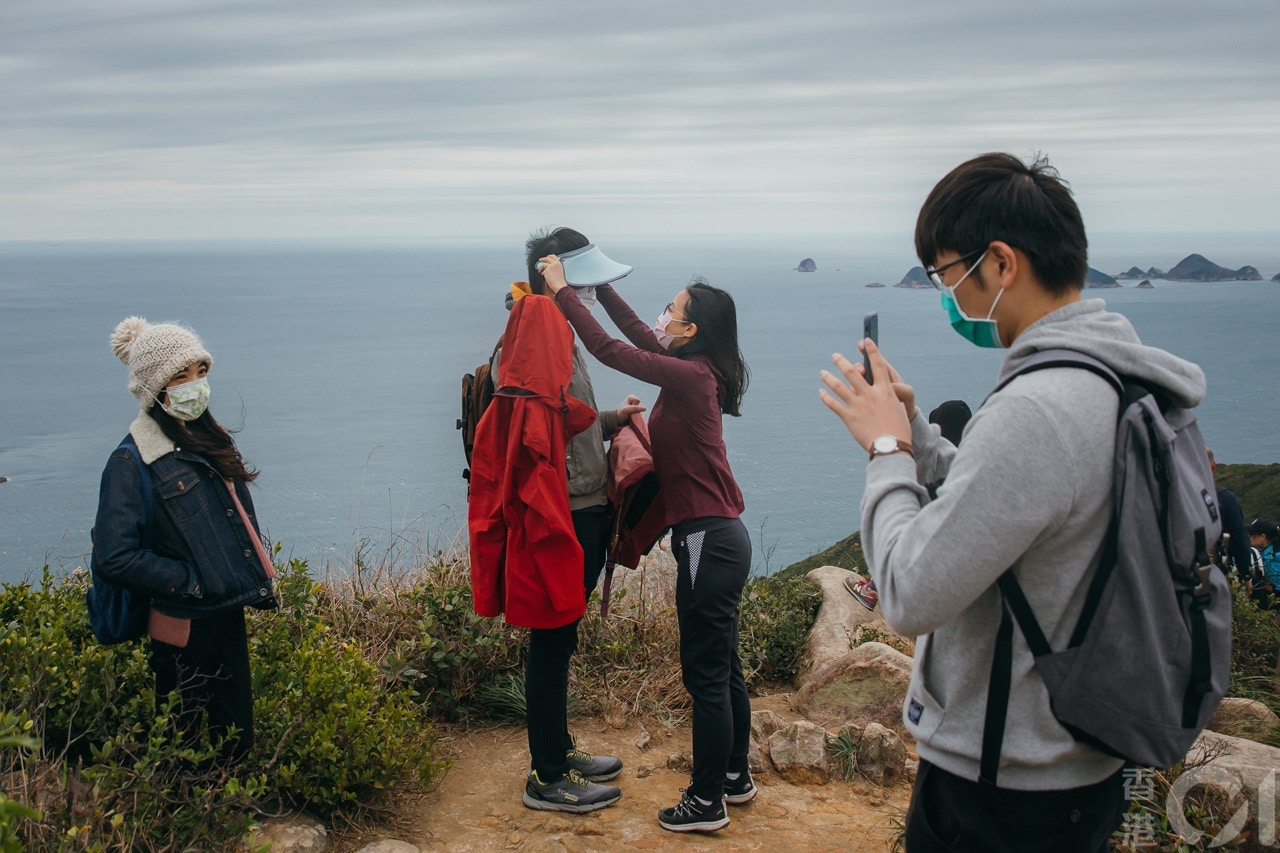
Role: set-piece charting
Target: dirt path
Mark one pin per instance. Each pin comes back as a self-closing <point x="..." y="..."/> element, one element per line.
<point x="477" y="806"/>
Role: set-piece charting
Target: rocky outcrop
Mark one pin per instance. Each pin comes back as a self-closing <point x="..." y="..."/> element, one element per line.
<point x="799" y="753"/>
<point x="868" y="684"/>
<point x="1131" y="272"/>
<point x="297" y="833"/>
<point x="807" y="265"/>
<point x="1275" y="277"/>
<point x="1200" y="268"/>
<point x="838" y="621"/>
<point x="1246" y="718"/>
<point x="1146" y="284"/>
<point x="1253" y="765"/>
<point x="1097" y="278"/>
<point x="881" y="755"/>
<point x="915" y="279"/>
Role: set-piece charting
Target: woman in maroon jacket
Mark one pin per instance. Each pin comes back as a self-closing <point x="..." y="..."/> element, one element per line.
<point x="692" y="354"/>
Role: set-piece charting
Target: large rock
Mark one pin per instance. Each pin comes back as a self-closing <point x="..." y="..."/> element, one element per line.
<point x="838" y="621"/>
<point x="293" y="834"/>
<point x="1245" y="718"/>
<point x="868" y="684"/>
<point x="882" y="755"/>
<point x="799" y="753"/>
<point x="1227" y="762"/>
<point x="763" y="724"/>
<point x="390" y="846"/>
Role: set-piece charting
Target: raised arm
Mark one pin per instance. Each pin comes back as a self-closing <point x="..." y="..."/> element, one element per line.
<point x="636" y="330"/>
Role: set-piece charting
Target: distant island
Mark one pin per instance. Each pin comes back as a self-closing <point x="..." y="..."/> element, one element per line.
<point x="1095" y="278"/>
<point x="915" y="278"/>
<point x="1276" y="277"/>
<point x="1196" y="268"/>
<point x="876" y="284"/>
<point x="807" y="265"/>
<point x="1145" y="284"/>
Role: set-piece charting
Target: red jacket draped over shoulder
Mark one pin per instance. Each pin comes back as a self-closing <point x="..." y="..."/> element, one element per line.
<point x="526" y="562"/>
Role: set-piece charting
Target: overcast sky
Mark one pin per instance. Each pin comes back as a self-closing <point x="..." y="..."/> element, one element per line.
<point x="332" y="118"/>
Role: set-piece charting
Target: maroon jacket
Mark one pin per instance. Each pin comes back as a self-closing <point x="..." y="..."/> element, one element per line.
<point x="689" y="454"/>
<point x="526" y="562"/>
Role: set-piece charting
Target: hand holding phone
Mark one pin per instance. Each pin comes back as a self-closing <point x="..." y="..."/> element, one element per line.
<point x="870" y="329"/>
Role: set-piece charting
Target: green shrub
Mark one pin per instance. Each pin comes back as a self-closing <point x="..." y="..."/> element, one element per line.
<point x="1255" y="647"/>
<point x="777" y="613"/>
<point x="332" y="733"/>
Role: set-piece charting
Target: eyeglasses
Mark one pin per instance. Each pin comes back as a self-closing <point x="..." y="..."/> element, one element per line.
<point x="935" y="273"/>
<point x="671" y="305"/>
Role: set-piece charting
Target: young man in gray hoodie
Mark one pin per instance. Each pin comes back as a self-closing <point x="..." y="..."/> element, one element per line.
<point x="1030" y="488"/>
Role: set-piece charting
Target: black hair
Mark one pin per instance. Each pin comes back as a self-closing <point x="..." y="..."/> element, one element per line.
<point x="716" y="317"/>
<point x="208" y="438"/>
<point x="997" y="197"/>
<point x="1265" y="527"/>
<point x="549" y="242"/>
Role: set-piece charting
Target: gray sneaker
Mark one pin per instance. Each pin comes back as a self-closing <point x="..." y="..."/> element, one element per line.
<point x="594" y="768"/>
<point x="572" y="793"/>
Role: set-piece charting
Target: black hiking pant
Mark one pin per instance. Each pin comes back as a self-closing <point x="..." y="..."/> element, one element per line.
<point x="546" y="675"/>
<point x="950" y="813"/>
<point x="713" y="558"/>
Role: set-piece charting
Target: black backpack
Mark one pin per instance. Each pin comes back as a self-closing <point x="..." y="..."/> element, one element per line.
<point x="477" y="393"/>
<point x="1150" y="656"/>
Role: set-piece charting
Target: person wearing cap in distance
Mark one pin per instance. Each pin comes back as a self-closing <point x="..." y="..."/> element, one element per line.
<point x="562" y="776"/>
<point x="692" y="354"/>
<point x="198" y="553"/>
<point x="1264" y="536"/>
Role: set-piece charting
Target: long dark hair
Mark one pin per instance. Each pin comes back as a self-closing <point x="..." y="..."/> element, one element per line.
<point x="716" y="317"/>
<point x="208" y="438"/>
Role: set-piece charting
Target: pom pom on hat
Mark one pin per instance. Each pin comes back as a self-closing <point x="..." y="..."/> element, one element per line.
<point x="155" y="353"/>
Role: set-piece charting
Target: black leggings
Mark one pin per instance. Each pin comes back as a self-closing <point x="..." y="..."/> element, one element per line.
<point x="713" y="558"/>
<point x="546" y="676"/>
<point x="211" y="674"/>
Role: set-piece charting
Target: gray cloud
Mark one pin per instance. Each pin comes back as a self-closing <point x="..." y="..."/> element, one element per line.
<point x="319" y="118"/>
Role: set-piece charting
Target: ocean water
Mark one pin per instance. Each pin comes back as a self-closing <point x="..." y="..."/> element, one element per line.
<point x="341" y="366"/>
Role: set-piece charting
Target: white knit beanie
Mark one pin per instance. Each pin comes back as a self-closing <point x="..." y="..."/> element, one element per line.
<point x="155" y="354"/>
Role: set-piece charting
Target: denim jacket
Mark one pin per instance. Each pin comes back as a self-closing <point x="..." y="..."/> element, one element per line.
<point x="201" y="561"/>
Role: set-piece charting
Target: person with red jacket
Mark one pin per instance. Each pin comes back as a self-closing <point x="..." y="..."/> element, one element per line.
<point x="692" y="354"/>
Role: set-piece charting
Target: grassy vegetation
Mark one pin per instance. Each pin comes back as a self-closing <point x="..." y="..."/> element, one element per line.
<point x="847" y="554"/>
<point x="1257" y="487"/>
<point x="352" y="677"/>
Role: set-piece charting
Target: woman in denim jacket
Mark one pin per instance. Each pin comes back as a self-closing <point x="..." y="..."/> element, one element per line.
<point x="201" y="559"/>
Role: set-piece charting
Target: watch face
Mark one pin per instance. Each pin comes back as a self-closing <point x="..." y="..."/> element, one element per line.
<point x="885" y="444"/>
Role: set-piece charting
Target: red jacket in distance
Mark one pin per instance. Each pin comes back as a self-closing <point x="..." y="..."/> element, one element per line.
<point x="526" y="562"/>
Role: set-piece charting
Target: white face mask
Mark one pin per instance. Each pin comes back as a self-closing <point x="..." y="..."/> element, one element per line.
<point x="189" y="400"/>
<point x="587" y="296"/>
<point x="660" y="330"/>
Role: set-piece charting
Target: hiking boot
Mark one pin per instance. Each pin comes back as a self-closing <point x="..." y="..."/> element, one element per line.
<point x="571" y="793"/>
<point x="594" y="768"/>
<point x="689" y="815"/>
<point x="863" y="590"/>
<point x="740" y="790"/>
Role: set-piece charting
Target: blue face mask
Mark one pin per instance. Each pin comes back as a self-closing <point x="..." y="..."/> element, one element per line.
<point x="981" y="332"/>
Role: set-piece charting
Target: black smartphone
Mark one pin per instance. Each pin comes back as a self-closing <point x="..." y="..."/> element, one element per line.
<point x="870" y="329"/>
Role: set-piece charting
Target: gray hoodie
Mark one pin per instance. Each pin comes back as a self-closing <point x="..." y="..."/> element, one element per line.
<point x="1029" y="488"/>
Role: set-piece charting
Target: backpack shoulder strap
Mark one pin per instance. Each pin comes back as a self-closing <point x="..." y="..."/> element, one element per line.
<point x="1045" y="359"/>
<point x="144" y="473"/>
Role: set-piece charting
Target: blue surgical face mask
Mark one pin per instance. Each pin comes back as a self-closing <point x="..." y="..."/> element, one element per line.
<point x="981" y="332"/>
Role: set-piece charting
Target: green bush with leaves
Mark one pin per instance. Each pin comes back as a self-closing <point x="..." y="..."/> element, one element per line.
<point x="332" y="734"/>
<point x="777" y="613"/>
